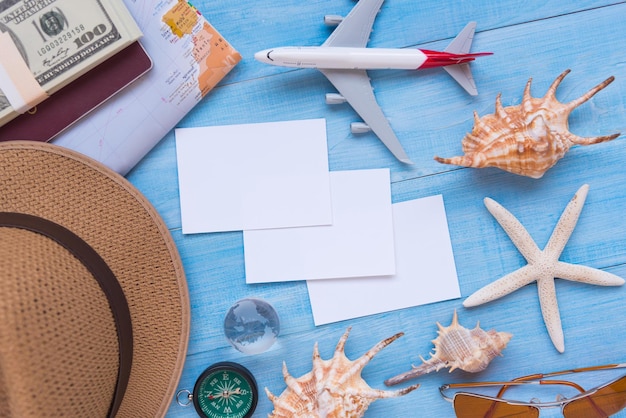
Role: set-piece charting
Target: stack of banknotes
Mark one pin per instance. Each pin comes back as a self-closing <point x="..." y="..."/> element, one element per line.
<point x="60" y="40"/>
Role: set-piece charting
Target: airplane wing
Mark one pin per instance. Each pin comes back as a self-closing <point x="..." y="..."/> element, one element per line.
<point x="355" y="87"/>
<point x="355" y="29"/>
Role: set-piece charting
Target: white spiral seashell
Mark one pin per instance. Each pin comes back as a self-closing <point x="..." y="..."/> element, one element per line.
<point x="457" y="347"/>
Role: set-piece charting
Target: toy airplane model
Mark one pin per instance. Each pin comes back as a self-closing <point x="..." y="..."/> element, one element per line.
<point x="344" y="59"/>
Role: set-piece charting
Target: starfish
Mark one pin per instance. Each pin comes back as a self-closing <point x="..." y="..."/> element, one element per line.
<point x="543" y="265"/>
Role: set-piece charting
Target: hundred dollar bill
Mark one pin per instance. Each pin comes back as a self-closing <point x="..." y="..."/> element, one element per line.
<point x="59" y="40"/>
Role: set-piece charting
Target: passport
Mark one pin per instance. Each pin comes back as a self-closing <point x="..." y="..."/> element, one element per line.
<point x="81" y="96"/>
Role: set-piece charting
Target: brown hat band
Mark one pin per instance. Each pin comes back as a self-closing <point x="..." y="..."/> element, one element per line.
<point x="106" y="280"/>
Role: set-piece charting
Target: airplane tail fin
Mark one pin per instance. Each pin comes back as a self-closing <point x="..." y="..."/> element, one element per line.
<point x="463" y="41"/>
<point x="462" y="73"/>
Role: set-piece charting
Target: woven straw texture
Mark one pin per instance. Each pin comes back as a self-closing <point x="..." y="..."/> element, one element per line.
<point x="53" y="344"/>
<point x="57" y="335"/>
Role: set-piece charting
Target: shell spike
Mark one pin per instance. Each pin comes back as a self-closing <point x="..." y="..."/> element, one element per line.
<point x="551" y="93"/>
<point x="316" y="354"/>
<point x="380" y="394"/>
<point x="432" y="365"/>
<point x="462" y="160"/>
<point x="404" y="391"/>
<point x="285" y="371"/>
<point x="499" y="109"/>
<point x="382" y="344"/>
<point x="342" y="341"/>
<point x="479" y="125"/>
<point x="455" y="319"/>
<point x="579" y="140"/>
<point x="290" y="380"/>
<point x="526" y="97"/>
<point x="476" y="118"/>
<point x="270" y="394"/>
<point x="582" y="99"/>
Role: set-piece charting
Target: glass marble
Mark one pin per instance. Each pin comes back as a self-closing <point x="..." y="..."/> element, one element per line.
<point x="251" y="325"/>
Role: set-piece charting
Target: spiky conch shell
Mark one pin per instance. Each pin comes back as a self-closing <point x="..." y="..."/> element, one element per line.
<point x="458" y="347"/>
<point x="333" y="388"/>
<point x="526" y="139"/>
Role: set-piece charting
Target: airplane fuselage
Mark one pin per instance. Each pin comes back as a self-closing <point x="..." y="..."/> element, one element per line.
<point x="359" y="58"/>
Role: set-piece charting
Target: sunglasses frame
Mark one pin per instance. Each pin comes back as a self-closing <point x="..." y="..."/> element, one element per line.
<point x="534" y="379"/>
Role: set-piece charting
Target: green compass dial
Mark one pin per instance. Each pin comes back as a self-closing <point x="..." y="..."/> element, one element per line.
<point x="225" y="390"/>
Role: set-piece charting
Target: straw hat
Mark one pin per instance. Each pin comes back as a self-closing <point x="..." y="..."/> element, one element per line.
<point x="93" y="297"/>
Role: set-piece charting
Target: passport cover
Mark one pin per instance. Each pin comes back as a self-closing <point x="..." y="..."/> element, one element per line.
<point x="63" y="108"/>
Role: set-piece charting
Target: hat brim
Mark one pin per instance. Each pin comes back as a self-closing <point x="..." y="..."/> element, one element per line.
<point x="115" y="219"/>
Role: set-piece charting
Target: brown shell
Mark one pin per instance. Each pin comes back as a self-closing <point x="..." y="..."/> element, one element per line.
<point x="526" y="139"/>
<point x="333" y="388"/>
<point x="458" y="347"/>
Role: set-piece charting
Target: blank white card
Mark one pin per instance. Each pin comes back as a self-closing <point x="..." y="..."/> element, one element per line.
<point x="358" y="243"/>
<point x="253" y="176"/>
<point x="425" y="270"/>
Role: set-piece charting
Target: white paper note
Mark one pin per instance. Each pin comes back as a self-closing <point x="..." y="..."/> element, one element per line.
<point x="253" y="176"/>
<point x="425" y="270"/>
<point x="358" y="243"/>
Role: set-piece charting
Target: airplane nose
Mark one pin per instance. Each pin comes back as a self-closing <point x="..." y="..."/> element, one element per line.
<point x="263" y="56"/>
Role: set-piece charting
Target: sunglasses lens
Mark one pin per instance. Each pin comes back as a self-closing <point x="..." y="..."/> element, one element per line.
<point x="606" y="401"/>
<point x="471" y="406"/>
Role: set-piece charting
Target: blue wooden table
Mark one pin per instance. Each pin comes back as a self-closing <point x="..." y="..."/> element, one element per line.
<point x="431" y="114"/>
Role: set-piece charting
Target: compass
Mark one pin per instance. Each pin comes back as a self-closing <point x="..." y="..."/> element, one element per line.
<point x="225" y="390"/>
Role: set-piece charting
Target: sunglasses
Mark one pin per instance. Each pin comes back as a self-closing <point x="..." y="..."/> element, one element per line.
<point x="601" y="401"/>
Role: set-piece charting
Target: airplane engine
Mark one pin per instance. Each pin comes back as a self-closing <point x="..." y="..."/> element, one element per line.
<point x="359" y="127"/>
<point x="332" y="20"/>
<point x="335" y="98"/>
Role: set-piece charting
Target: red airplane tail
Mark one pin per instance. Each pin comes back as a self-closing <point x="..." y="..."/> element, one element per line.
<point x="456" y="58"/>
<point x="441" y="59"/>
